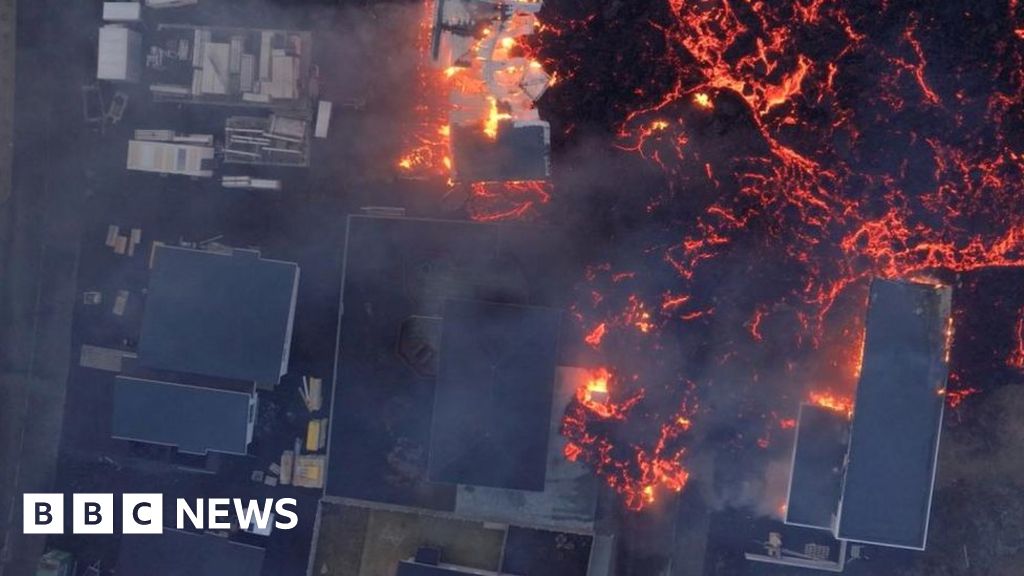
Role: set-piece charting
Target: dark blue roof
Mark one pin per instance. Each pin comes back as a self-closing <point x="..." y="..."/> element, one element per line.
<point x="178" y="553"/>
<point x="395" y="270"/>
<point x="194" y="419"/>
<point x="492" y="408"/>
<point x="897" y="416"/>
<point x="817" y="473"/>
<point x="228" y="316"/>
<point x="406" y="568"/>
<point x="515" y="153"/>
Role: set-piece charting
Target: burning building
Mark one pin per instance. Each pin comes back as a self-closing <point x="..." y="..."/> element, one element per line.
<point x="495" y="131"/>
<point x="867" y="477"/>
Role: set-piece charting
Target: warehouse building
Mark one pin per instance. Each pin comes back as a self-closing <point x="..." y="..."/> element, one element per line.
<point x="223" y="315"/>
<point x="868" y="478"/>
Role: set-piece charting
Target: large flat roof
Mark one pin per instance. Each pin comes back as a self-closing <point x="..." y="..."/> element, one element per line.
<point x="179" y="553"/>
<point x="817" y="472"/>
<point x="897" y="417"/>
<point x="402" y="269"/>
<point x="492" y="405"/>
<point x="223" y="315"/>
<point x="194" y="419"/>
<point x="569" y="499"/>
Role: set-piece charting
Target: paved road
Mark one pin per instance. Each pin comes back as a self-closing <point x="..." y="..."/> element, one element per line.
<point x="40" y="253"/>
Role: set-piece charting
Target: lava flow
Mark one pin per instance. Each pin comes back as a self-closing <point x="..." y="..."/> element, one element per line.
<point x="805" y="147"/>
<point x="1016" y="359"/>
<point x="638" y="474"/>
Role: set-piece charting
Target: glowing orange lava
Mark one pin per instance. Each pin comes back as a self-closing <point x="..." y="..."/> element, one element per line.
<point x="1016" y="358"/>
<point x="834" y="402"/>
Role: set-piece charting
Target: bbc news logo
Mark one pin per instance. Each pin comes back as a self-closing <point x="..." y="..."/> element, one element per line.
<point x="144" y="513"/>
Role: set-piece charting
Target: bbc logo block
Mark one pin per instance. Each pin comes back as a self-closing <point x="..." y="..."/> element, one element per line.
<point x="92" y="513"/>
<point x="143" y="513"/>
<point x="43" y="514"/>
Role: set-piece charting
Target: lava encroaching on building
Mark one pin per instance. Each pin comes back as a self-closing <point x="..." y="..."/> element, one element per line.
<point x="450" y="385"/>
<point x="496" y="133"/>
<point x="897" y="417"/>
<point x="867" y="477"/>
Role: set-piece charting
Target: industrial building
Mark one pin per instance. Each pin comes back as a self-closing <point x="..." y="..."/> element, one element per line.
<point x="419" y="543"/>
<point x="223" y="315"/>
<point x="868" y="479"/>
<point x="492" y="403"/>
<point x="193" y="419"/>
<point x="450" y="330"/>
<point x="180" y="553"/>
<point x="897" y="419"/>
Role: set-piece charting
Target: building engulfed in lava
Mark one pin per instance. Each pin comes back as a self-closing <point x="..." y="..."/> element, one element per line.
<point x="496" y="134"/>
<point x="868" y="477"/>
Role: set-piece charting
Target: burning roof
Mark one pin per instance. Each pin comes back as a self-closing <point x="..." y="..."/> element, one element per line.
<point x="496" y="131"/>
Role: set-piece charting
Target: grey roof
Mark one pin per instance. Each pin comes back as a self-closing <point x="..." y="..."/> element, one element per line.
<point x="492" y="407"/>
<point x="516" y="153"/>
<point x="179" y="553"/>
<point x="897" y="416"/>
<point x="192" y="418"/>
<point x="817" y="472"/>
<point x="228" y="316"/>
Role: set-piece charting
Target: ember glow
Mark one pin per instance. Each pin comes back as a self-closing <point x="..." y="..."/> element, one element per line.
<point x="638" y="474"/>
<point x="834" y="402"/>
<point x="483" y="85"/>
<point x="817" y="145"/>
<point x="1016" y="358"/>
